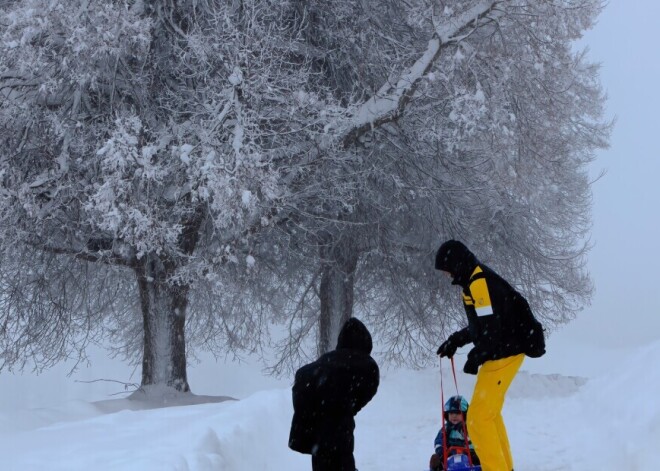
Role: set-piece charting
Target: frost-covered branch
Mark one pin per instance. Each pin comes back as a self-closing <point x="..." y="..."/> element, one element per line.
<point x="390" y="101"/>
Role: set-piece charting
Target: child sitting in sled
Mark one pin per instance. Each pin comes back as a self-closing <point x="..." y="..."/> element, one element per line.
<point x="455" y="412"/>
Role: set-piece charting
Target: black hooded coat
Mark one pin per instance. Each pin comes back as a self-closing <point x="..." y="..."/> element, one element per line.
<point x="329" y="392"/>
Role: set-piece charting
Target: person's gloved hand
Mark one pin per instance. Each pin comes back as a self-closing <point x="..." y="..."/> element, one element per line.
<point x="471" y="366"/>
<point x="435" y="462"/>
<point x="448" y="347"/>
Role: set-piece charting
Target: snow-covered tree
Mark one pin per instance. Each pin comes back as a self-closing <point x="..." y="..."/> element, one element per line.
<point x="308" y="155"/>
<point x="149" y="140"/>
<point x="500" y="136"/>
<point x="471" y="119"/>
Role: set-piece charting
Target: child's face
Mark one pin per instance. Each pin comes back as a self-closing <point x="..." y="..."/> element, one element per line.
<point x="455" y="417"/>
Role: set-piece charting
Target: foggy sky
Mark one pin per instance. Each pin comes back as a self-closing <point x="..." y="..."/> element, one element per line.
<point x="625" y="260"/>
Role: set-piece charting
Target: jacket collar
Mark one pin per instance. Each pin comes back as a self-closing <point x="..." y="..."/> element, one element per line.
<point x="462" y="278"/>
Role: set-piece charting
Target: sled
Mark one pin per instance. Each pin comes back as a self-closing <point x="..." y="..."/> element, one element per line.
<point x="459" y="460"/>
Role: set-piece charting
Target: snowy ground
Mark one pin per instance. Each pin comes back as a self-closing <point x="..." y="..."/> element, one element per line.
<point x="556" y="421"/>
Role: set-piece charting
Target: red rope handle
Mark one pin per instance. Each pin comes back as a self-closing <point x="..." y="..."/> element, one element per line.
<point x="444" y="432"/>
<point x="453" y="370"/>
<point x="442" y="420"/>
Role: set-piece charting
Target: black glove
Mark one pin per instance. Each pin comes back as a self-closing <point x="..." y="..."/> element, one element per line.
<point x="448" y="347"/>
<point x="435" y="462"/>
<point x="471" y="366"/>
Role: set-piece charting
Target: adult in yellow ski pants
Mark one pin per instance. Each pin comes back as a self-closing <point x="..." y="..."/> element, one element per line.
<point x="484" y="419"/>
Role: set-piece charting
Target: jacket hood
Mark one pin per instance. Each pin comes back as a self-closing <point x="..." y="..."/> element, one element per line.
<point x="454" y="257"/>
<point x="354" y="335"/>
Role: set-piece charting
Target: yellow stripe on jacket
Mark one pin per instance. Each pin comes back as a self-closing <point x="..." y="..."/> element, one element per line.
<point x="480" y="296"/>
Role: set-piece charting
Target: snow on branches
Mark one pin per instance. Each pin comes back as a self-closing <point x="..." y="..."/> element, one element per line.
<point x="195" y="142"/>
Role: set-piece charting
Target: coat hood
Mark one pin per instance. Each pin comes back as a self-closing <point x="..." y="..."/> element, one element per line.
<point x="354" y="335"/>
<point x="454" y="257"/>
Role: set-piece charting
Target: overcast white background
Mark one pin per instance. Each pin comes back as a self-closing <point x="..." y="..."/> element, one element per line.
<point x="625" y="260"/>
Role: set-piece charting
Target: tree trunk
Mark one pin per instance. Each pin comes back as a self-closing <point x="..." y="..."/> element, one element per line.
<point x="164" y="315"/>
<point x="336" y="291"/>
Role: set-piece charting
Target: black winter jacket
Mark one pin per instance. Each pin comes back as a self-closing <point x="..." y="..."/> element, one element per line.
<point x="500" y="321"/>
<point x="330" y="391"/>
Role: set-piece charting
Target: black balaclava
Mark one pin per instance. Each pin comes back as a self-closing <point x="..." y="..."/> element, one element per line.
<point x="454" y="257"/>
<point x="354" y="335"/>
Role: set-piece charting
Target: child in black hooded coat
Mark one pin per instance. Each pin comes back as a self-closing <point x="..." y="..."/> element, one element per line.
<point x="328" y="393"/>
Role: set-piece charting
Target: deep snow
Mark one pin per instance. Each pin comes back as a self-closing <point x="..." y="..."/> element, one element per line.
<point x="556" y="421"/>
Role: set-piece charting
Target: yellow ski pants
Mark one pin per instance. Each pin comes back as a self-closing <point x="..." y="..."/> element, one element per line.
<point x="484" y="418"/>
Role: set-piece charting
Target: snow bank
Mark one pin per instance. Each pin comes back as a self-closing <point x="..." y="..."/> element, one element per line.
<point x="230" y="436"/>
<point x="555" y="423"/>
<point x="623" y="410"/>
<point x="538" y="386"/>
